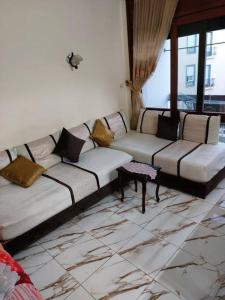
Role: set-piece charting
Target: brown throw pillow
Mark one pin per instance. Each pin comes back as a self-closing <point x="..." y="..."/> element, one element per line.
<point x="167" y="128"/>
<point x="102" y="135"/>
<point x="22" y="171"/>
<point x="69" y="146"/>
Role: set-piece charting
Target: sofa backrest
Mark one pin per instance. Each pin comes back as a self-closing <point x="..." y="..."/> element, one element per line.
<point x="41" y="150"/>
<point x="117" y="123"/>
<point x="199" y="128"/>
<point x="6" y="157"/>
<point x="83" y="132"/>
<point x="148" y="120"/>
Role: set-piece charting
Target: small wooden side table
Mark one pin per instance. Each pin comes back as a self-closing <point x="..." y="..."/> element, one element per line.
<point x="142" y="172"/>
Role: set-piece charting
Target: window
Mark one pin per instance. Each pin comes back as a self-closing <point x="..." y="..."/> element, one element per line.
<point x="156" y="91"/>
<point x="209" y="43"/>
<point x="191" y="43"/>
<point x="203" y="89"/>
<point x="208" y="82"/>
<point x="190" y="75"/>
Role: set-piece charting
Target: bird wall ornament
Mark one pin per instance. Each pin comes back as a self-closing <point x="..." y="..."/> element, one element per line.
<point x="74" y="60"/>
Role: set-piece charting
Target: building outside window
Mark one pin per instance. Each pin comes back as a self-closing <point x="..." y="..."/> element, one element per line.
<point x="190" y="75"/>
<point x="191" y="43"/>
<point x="208" y="79"/>
<point x="209" y="40"/>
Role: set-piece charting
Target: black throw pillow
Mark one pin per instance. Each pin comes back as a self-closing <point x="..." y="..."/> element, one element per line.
<point x="69" y="146"/>
<point x="167" y="128"/>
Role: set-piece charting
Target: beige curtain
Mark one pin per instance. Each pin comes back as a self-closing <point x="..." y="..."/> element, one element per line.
<point x="151" y="25"/>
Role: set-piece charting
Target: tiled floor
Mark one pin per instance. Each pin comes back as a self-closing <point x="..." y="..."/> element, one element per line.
<point x="176" y="250"/>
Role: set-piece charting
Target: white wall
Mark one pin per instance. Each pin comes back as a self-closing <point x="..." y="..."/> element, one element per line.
<point x="38" y="91"/>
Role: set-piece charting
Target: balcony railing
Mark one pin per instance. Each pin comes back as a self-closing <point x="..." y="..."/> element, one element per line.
<point x="209" y="82"/>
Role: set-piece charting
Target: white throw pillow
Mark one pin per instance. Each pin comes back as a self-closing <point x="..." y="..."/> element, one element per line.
<point x="199" y="128"/>
<point x="148" y="120"/>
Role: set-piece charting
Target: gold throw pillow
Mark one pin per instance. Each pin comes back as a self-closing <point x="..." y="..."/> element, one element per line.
<point x="22" y="171"/>
<point x="102" y="135"/>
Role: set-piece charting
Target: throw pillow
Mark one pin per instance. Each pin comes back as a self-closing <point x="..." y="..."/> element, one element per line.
<point x="167" y="128"/>
<point x="22" y="171"/>
<point x="102" y="135"/>
<point x="69" y="146"/>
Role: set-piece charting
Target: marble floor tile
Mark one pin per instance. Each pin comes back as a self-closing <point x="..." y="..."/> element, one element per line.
<point x="115" y="232"/>
<point x="63" y="238"/>
<point x="111" y="203"/>
<point x="147" y="252"/>
<point x="220" y="295"/>
<point x="215" y="220"/>
<point x="215" y="196"/>
<point x="117" y="279"/>
<point x="91" y="219"/>
<point x="134" y="212"/>
<point x="190" y="278"/>
<point x="205" y="243"/>
<point x="80" y="294"/>
<point x="33" y="258"/>
<point x="53" y="281"/>
<point x="84" y="259"/>
<point x="221" y="201"/>
<point x="156" y="291"/>
<point x="190" y="207"/>
<point x="171" y="227"/>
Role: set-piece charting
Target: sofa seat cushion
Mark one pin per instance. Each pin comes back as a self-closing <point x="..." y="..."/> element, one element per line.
<point x="190" y="160"/>
<point x="141" y="146"/>
<point x="81" y="182"/>
<point x="22" y="209"/>
<point x="103" y="162"/>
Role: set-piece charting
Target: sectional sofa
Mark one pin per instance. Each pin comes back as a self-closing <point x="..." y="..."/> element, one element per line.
<point x="67" y="188"/>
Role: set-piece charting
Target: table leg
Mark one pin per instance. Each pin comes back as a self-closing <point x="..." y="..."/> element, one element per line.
<point x="121" y="186"/>
<point x="143" y="196"/>
<point x="136" y="186"/>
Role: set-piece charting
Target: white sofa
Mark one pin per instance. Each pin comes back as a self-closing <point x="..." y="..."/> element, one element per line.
<point x="65" y="184"/>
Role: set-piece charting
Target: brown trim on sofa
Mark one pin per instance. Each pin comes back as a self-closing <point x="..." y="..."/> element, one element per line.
<point x="17" y="244"/>
<point x="107" y="123"/>
<point x="86" y="170"/>
<point x="52" y="137"/>
<point x="207" y="130"/>
<point x="182" y="135"/>
<point x="89" y="130"/>
<point x="123" y="120"/>
<point x="62" y="183"/>
<point x="154" y="154"/>
<point x="30" y="153"/>
<point x="186" y="154"/>
<point x="142" y="119"/>
<point x="9" y="155"/>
